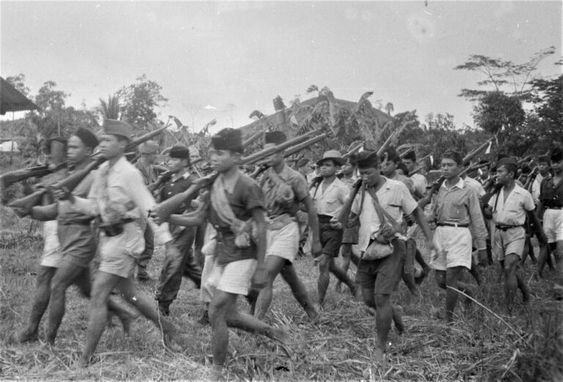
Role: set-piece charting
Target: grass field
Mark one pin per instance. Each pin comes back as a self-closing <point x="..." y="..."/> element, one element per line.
<point x="477" y="347"/>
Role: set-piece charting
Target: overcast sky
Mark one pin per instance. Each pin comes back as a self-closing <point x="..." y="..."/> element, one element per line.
<point x="237" y="56"/>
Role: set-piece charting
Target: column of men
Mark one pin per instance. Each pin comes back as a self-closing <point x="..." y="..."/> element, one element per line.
<point x="253" y="233"/>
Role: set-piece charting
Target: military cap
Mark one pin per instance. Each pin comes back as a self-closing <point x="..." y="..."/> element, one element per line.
<point x="87" y="137"/>
<point x="228" y="139"/>
<point x="556" y="154"/>
<point x="276" y="137"/>
<point x="365" y="159"/>
<point x="181" y="152"/>
<point x="119" y="128"/>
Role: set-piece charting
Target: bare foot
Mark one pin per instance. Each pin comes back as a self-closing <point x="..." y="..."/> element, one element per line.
<point x="26" y="336"/>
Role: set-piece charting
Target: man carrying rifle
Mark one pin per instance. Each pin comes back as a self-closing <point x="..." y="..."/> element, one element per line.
<point x="145" y="165"/>
<point x="329" y="195"/>
<point x="284" y="189"/>
<point x="182" y="262"/>
<point x="236" y="211"/>
<point x="551" y="206"/>
<point x="122" y="201"/>
<point x="508" y="209"/>
<point x="380" y="209"/>
<point x="455" y="210"/>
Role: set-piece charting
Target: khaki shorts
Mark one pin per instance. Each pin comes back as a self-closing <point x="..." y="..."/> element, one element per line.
<point x="553" y="225"/>
<point x="453" y="248"/>
<point x="119" y="253"/>
<point x="52" y="255"/>
<point x="508" y="242"/>
<point x="234" y="277"/>
<point x="283" y="242"/>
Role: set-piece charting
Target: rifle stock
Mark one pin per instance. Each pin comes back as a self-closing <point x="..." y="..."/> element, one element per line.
<point x="347" y="207"/>
<point x="23" y="206"/>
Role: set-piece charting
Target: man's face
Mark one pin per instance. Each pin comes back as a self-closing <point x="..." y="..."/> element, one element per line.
<point x="409" y="164"/>
<point x="503" y="176"/>
<point x="370" y="175"/>
<point x="274" y="159"/>
<point x="327" y="169"/>
<point x="543" y="168"/>
<point x="76" y="151"/>
<point x="223" y="160"/>
<point x="111" y="146"/>
<point x="388" y="167"/>
<point x="149" y="158"/>
<point x="347" y="169"/>
<point x="177" y="164"/>
<point x="449" y="168"/>
<point x="557" y="167"/>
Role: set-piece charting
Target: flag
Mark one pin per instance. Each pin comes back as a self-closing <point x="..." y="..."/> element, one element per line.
<point x="293" y="120"/>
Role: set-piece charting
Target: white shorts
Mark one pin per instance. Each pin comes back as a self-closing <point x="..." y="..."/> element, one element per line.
<point x="234" y="277"/>
<point x="283" y="242"/>
<point x="453" y="248"/>
<point x="553" y="225"/>
<point x="119" y="253"/>
<point x="51" y="249"/>
<point x="509" y="242"/>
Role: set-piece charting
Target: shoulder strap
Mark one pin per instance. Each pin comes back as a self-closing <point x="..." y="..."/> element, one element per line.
<point x="381" y="212"/>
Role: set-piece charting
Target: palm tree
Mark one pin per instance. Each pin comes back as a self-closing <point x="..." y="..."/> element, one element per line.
<point x="110" y="109"/>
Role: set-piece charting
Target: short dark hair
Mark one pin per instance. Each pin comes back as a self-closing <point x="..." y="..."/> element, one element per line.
<point x="365" y="159"/>
<point x="391" y="155"/>
<point x="403" y="167"/>
<point x="545" y="159"/>
<point x="511" y="166"/>
<point x="410" y="155"/>
<point x="453" y="155"/>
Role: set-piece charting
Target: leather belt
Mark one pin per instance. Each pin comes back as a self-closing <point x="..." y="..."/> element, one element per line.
<point x="456" y="225"/>
<point x="505" y="228"/>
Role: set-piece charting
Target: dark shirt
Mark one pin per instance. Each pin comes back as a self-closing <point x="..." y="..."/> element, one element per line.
<point x="246" y="197"/>
<point x="173" y="187"/>
<point x="551" y="195"/>
<point x="298" y="185"/>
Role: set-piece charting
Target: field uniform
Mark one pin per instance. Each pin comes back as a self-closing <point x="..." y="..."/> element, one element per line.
<point x="509" y="216"/>
<point x="119" y="195"/>
<point x="455" y="210"/>
<point x="383" y="274"/>
<point x="183" y="237"/>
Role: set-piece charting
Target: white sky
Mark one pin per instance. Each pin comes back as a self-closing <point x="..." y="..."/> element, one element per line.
<point x="237" y="56"/>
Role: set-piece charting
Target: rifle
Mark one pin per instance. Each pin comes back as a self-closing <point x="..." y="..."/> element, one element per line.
<point x="469" y="157"/>
<point x="263" y="166"/>
<point x="11" y="177"/>
<point x="252" y="138"/>
<point x="167" y="207"/>
<point x="345" y="211"/>
<point x="22" y="206"/>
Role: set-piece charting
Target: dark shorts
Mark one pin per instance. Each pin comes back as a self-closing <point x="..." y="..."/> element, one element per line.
<point x="383" y="275"/>
<point x="78" y="244"/>
<point x="330" y="238"/>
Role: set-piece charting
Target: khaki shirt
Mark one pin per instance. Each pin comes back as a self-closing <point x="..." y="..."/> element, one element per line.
<point x="511" y="211"/>
<point x="460" y="204"/>
<point x="125" y="194"/>
<point x="331" y="201"/>
<point x="394" y="197"/>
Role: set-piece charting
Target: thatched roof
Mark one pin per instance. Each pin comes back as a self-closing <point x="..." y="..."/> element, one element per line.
<point x="12" y="99"/>
<point x="351" y="121"/>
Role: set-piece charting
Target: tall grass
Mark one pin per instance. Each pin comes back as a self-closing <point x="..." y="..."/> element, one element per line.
<point x="340" y="346"/>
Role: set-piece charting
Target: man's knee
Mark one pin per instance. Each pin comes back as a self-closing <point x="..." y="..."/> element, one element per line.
<point x="510" y="262"/>
<point x="219" y="305"/>
<point x="368" y="297"/>
<point x="382" y="300"/>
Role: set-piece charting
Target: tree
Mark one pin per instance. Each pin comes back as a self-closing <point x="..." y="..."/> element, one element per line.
<point x="389" y="108"/>
<point x="50" y="99"/>
<point x="140" y="101"/>
<point x="502" y="75"/>
<point x="547" y="98"/>
<point x="110" y="109"/>
<point x="496" y="112"/>
<point x="18" y="82"/>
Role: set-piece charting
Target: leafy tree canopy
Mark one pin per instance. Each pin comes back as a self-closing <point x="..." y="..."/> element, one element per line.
<point x="140" y="101"/>
<point x="496" y="111"/>
<point x="18" y="82"/>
